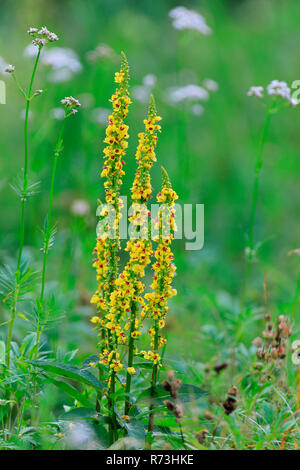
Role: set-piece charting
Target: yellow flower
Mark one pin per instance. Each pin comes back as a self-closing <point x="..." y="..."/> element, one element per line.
<point x="95" y="319"/>
<point x="126" y="417"/>
<point x="116" y="365"/>
<point x="131" y="370"/>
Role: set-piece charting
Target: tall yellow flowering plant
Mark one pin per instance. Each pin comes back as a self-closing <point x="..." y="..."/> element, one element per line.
<point x="106" y="260"/>
<point x="119" y="297"/>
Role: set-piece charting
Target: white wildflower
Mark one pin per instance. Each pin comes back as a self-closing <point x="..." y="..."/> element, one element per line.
<point x="52" y="37"/>
<point x="188" y="19"/>
<point x="80" y="207"/>
<point x="44" y="31"/>
<point x="277" y="88"/>
<point x="70" y="102"/>
<point x="10" y="68"/>
<point x="211" y="85"/>
<point x="293" y="102"/>
<point x="32" y="31"/>
<point x="188" y="92"/>
<point x="39" y="42"/>
<point x="257" y="91"/>
<point x="38" y="92"/>
<point x="42" y="36"/>
<point x="64" y="64"/>
<point x="149" y="80"/>
<point x="197" y="109"/>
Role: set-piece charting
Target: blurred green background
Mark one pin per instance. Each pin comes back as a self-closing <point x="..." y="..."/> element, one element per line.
<point x="208" y="148"/>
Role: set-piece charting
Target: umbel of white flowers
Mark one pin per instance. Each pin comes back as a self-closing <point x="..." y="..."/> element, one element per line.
<point x="275" y="88"/>
<point x="42" y="36"/>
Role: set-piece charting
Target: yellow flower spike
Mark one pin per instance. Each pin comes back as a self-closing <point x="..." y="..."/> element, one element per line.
<point x="164" y="270"/>
<point x="105" y="253"/>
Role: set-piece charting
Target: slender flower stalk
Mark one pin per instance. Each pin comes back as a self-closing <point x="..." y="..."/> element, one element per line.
<point x="23" y="201"/>
<point x="107" y="247"/>
<point x="40" y="38"/>
<point x="280" y="95"/>
<point x="164" y="270"/>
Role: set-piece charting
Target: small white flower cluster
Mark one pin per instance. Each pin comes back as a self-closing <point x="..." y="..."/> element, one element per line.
<point x="9" y="68"/>
<point x="188" y="19"/>
<point x="71" y="103"/>
<point x="5" y="68"/>
<point x="211" y="85"/>
<point x="42" y="36"/>
<point x="257" y="91"/>
<point x="275" y="88"/>
<point x="187" y="93"/>
<point x="63" y="62"/>
<point x="80" y="207"/>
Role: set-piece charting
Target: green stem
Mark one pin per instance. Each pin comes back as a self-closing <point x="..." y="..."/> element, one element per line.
<point x="130" y="357"/>
<point x="255" y="192"/>
<point x="22" y="224"/>
<point x="153" y="380"/>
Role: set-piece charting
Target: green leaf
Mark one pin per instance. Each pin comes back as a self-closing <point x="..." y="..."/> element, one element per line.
<point x="2" y="352"/>
<point x="134" y="429"/>
<point x="71" y="391"/>
<point x="84" y="413"/>
<point x="71" y="372"/>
